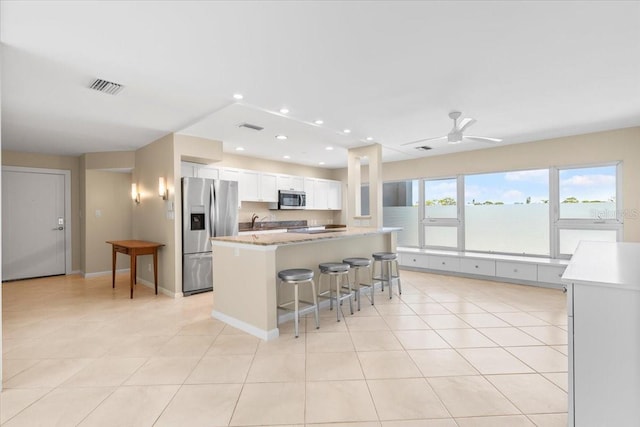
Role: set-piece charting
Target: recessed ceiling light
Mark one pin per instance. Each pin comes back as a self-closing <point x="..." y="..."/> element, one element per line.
<point x="321" y="163"/>
<point x="286" y="157"/>
<point x="284" y="111"/>
<point x="237" y="96"/>
<point x="329" y="148"/>
<point x="281" y="137"/>
<point x="347" y="131"/>
<point x="319" y="122"/>
<point x="369" y="138"/>
<point x="239" y="148"/>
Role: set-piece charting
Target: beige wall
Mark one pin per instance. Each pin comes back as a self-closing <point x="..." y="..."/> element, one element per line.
<point x="108" y="217"/>
<point x="197" y="150"/>
<point x="601" y="147"/>
<point x="110" y="160"/>
<point x="151" y="219"/>
<point x="70" y="163"/>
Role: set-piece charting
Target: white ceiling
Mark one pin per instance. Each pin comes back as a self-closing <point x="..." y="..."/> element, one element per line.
<point x="390" y="70"/>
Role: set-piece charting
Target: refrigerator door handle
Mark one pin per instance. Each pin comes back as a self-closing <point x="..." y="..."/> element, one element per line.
<point x="212" y="210"/>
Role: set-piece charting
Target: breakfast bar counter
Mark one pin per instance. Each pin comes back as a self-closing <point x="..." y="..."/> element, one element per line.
<point x="245" y="269"/>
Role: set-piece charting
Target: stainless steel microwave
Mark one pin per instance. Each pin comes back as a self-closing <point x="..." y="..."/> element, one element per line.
<point x="288" y="199"/>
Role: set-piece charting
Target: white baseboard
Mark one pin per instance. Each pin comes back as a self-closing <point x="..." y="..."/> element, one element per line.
<point x="160" y="288"/>
<point x="243" y="326"/>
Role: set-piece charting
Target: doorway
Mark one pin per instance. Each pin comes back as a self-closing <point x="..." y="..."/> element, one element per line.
<point x="36" y="229"/>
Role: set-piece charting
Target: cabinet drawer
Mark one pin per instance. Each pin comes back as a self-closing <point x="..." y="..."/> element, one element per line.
<point x="478" y="266"/>
<point x="517" y="270"/>
<point x="413" y="260"/>
<point x="550" y="274"/>
<point x="443" y="263"/>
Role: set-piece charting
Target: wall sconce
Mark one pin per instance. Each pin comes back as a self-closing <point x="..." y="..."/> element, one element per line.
<point x="163" y="191"/>
<point x="135" y="196"/>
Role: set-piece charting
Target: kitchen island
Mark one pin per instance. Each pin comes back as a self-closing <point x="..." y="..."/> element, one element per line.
<point x="245" y="269"/>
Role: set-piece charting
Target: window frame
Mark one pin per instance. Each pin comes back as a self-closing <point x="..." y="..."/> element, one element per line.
<point x="457" y="222"/>
<point x="557" y="223"/>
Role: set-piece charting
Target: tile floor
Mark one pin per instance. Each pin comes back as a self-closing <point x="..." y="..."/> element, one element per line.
<point x="449" y="352"/>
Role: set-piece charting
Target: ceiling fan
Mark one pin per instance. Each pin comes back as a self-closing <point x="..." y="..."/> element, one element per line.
<point x="455" y="136"/>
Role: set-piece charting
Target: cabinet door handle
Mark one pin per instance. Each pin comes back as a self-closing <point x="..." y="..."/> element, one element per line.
<point x="476" y="266"/>
<point x="515" y="270"/>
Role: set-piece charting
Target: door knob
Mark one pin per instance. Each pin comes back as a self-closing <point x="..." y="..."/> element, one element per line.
<point x="58" y="228"/>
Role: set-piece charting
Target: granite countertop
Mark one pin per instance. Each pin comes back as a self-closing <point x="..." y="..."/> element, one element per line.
<point x="293" y="238"/>
<point x="271" y="225"/>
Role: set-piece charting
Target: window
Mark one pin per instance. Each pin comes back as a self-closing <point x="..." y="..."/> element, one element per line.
<point x="508" y="212"/>
<point x="399" y="209"/>
<point x="588" y="207"/>
<point x="540" y="212"/>
<point x="440" y="219"/>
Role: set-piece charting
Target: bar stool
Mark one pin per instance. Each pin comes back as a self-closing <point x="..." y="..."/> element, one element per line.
<point x="295" y="277"/>
<point x="335" y="270"/>
<point x="390" y="260"/>
<point x="357" y="264"/>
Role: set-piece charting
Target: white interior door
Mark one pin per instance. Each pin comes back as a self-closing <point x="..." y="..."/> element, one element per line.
<point x="34" y="223"/>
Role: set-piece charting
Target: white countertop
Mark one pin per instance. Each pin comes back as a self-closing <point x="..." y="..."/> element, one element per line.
<point x="610" y="264"/>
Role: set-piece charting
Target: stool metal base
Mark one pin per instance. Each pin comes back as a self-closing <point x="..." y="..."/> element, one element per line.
<point x="387" y="276"/>
<point x="309" y="306"/>
<point x="338" y="289"/>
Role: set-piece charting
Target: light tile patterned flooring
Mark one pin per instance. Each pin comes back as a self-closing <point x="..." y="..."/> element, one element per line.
<point x="449" y="352"/>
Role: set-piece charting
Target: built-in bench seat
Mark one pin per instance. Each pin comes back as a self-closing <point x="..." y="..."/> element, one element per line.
<point x="527" y="270"/>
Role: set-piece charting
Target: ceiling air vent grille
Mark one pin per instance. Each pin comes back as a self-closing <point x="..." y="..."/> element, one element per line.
<point x="250" y="126"/>
<point x="424" y="148"/>
<point x="106" y="87"/>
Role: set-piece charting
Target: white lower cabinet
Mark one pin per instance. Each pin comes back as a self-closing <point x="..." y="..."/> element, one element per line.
<point x="603" y="304"/>
<point x="443" y="263"/>
<point x="517" y="270"/>
<point x="483" y="267"/>
<point x="413" y="260"/>
<point x="524" y="271"/>
<point x="550" y="273"/>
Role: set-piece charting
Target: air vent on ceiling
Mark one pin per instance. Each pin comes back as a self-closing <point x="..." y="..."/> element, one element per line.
<point x="424" y="148"/>
<point x="106" y="87"/>
<point x="250" y="126"/>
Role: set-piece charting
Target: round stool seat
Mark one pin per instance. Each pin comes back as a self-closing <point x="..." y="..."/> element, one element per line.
<point x="333" y="267"/>
<point x="296" y="274"/>
<point x="357" y="262"/>
<point x="385" y="256"/>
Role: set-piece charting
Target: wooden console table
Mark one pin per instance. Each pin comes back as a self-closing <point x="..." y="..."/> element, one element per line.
<point x="133" y="248"/>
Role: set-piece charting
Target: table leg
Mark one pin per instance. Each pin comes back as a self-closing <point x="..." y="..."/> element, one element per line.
<point x="133" y="271"/>
<point x="155" y="269"/>
<point x="113" y="266"/>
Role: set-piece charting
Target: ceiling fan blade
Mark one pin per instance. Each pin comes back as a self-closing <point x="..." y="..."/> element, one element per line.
<point x="424" y="140"/>
<point x="465" y="123"/>
<point x="483" y="138"/>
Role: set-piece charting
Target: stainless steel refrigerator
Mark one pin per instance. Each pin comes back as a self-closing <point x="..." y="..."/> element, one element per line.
<point x="209" y="209"/>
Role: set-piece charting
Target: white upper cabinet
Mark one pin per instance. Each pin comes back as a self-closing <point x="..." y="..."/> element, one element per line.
<point x="207" y="172"/>
<point x="310" y="191"/>
<point x="290" y="182"/>
<point x="335" y="195"/>
<point x="268" y="187"/>
<point x="321" y="194"/>
<point x="251" y="186"/>
<point x="255" y="186"/>
<point x="187" y="170"/>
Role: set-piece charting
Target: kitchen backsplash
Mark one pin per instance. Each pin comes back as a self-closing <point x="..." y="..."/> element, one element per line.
<point x="312" y="217"/>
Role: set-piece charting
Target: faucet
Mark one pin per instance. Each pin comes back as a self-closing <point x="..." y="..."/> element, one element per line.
<point x="253" y="220"/>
